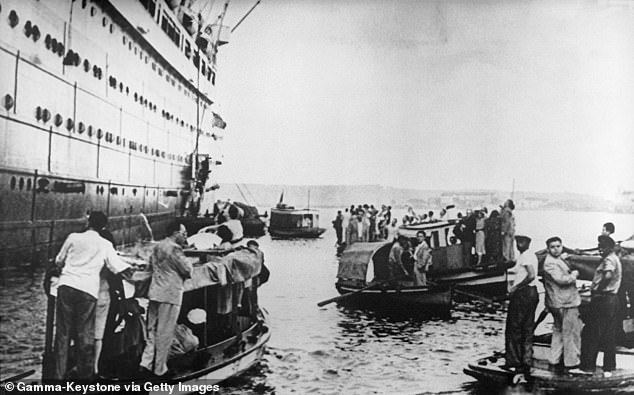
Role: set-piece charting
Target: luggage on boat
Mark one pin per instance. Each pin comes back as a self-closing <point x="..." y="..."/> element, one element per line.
<point x="184" y="341"/>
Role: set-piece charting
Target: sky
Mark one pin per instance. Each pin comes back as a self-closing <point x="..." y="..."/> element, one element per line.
<point x="430" y="94"/>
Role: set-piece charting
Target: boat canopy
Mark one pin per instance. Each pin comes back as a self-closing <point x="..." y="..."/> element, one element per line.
<point x="354" y="262"/>
<point x="235" y="267"/>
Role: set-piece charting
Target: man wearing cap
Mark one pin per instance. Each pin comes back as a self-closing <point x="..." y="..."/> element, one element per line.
<point x="601" y="325"/>
<point x="521" y="313"/>
<point x="81" y="259"/>
<point x="562" y="300"/>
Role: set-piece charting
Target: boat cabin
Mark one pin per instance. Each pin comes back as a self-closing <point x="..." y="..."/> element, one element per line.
<point x="294" y="219"/>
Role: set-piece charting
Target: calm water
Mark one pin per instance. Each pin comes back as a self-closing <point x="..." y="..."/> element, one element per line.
<point x="329" y="350"/>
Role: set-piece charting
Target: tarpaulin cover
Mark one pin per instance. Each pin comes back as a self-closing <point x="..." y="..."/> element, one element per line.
<point x="353" y="264"/>
<point x="237" y="266"/>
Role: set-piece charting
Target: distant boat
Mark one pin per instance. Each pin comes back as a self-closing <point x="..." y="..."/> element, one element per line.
<point x="288" y="222"/>
<point x="361" y="260"/>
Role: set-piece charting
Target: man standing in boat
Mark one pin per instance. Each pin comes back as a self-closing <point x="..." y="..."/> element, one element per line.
<point x="521" y="313"/>
<point x="338" y="225"/>
<point x="508" y="231"/>
<point x="423" y="258"/>
<point x="81" y="259"/>
<point x="603" y="312"/>
<point x="562" y="300"/>
<point x="169" y="271"/>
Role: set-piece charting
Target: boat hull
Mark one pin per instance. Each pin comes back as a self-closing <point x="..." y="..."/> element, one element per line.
<point x="308" y="233"/>
<point x="542" y="378"/>
<point x="417" y="300"/>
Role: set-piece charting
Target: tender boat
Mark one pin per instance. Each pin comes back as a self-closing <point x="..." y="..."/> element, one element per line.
<point x="219" y="312"/>
<point x="289" y="222"/>
<point x="357" y="265"/>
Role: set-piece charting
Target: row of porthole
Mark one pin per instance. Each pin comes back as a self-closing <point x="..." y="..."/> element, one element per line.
<point x="73" y="58"/>
<point x="43" y="114"/>
<point x="20" y="183"/>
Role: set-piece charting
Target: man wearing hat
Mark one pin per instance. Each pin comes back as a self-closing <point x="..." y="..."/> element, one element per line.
<point x="601" y="325"/>
<point x="522" y="282"/>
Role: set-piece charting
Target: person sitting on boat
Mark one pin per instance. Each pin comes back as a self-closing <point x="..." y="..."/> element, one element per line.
<point x="562" y="301"/>
<point x="430" y="216"/>
<point x="169" y="269"/>
<point x="80" y="260"/>
<point x="522" y="288"/>
<point x="422" y="254"/>
<point x="603" y="312"/>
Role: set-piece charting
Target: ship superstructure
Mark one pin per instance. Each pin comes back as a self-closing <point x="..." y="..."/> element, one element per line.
<point x="105" y="105"/>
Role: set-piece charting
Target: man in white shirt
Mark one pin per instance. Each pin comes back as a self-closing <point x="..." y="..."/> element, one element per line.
<point x="522" y="282"/>
<point x="80" y="259"/>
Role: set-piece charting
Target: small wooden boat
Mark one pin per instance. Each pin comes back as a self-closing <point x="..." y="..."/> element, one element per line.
<point x="289" y="222"/>
<point x="362" y="259"/>
<point x="544" y="378"/>
<point x="219" y="311"/>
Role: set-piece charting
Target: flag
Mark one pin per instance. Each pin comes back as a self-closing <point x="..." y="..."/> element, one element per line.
<point x="282" y="197"/>
<point x="218" y="122"/>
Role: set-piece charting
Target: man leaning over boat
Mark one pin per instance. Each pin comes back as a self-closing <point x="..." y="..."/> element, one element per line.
<point x="169" y="269"/>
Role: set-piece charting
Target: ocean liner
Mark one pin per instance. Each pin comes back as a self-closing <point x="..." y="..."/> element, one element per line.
<point x="105" y="105"/>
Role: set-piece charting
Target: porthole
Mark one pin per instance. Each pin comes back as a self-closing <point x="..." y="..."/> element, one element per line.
<point x="93" y="11"/>
<point x="134" y="191"/>
<point x="21" y="183"/>
<point x="29" y="184"/>
<point x="122" y="191"/>
<point x="111" y="28"/>
<point x="84" y="3"/>
<point x="12" y="182"/>
<point x="130" y="45"/>
<point x="124" y="39"/>
<point x="97" y="191"/>
<point x="104" y="21"/>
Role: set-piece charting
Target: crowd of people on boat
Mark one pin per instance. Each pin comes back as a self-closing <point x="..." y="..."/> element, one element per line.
<point x="84" y="281"/>
<point x="578" y="332"/>
<point x="486" y="239"/>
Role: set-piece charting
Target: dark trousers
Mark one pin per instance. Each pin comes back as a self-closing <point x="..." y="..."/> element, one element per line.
<point x="519" y="327"/>
<point x="75" y="319"/>
<point x="339" y="232"/>
<point x="600" y="330"/>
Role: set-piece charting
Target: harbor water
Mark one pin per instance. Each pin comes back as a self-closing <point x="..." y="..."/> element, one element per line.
<point x="333" y="349"/>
